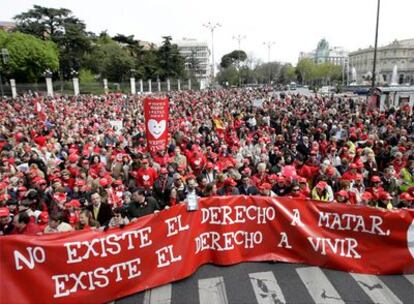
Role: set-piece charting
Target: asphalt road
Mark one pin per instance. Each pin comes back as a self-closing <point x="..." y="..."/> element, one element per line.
<point x="278" y="283"/>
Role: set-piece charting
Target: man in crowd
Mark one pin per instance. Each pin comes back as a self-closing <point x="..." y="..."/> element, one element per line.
<point x="141" y="204"/>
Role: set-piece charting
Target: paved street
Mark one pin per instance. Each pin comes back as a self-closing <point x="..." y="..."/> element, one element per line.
<point x="278" y="283"/>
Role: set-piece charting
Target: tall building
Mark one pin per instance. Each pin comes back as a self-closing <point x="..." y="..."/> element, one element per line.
<point x="323" y="53"/>
<point x="197" y="57"/>
<point x="399" y="54"/>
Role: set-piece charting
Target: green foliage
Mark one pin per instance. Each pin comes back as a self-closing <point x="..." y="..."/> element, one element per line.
<point x="323" y="73"/>
<point x="59" y="26"/>
<point x="229" y="59"/>
<point x="287" y="74"/>
<point x="227" y="76"/>
<point x="171" y="63"/>
<point x="109" y="60"/>
<point x="29" y="56"/>
<point x="86" y="76"/>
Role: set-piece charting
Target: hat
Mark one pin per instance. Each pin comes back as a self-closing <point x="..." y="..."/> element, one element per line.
<point x="60" y="197"/>
<point x="375" y="179"/>
<point x="265" y="186"/>
<point x="4" y="211"/>
<point x="385" y="196"/>
<point x="366" y="196"/>
<point x="330" y="171"/>
<point x="230" y="182"/>
<point x="353" y="166"/>
<point x="302" y="179"/>
<point x="103" y="182"/>
<point x="406" y="197"/>
<point x="321" y="185"/>
<point x="73" y="158"/>
<point x="74" y="203"/>
<point x="80" y="183"/>
<point x="342" y="193"/>
<point x="43" y="217"/>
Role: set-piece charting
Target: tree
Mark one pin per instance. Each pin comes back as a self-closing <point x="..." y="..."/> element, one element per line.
<point x="109" y="60"/>
<point x="171" y="63"/>
<point x="305" y="69"/>
<point x="287" y="74"/>
<point x="227" y="76"/>
<point x="29" y="56"/>
<point x="59" y="26"/>
<point x="229" y="59"/>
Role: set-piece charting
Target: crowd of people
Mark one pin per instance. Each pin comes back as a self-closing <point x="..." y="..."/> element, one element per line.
<point x="64" y="166"/>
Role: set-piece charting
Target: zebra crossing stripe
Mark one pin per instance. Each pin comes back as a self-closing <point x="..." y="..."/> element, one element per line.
<point x="266" y="288"/>
<point x="318" y="285"/>
<point x="410" y="278"/>
<point x="159" y="295"/>
<point x="375" y="288"/>
<point x="212" y="290"/>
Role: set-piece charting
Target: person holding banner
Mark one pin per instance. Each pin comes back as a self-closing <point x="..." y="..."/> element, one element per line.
<point x="141" y="204"/>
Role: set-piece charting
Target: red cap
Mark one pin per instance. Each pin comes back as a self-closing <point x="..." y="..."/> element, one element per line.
<point x="330" y="171"/>
<point x="353" y="166"/>
<point x="321" y="185"/>
<point x="265" y="186"/>
<point x="342" y="193"/>
<point x="73" y="158"/>
<point x="367" y="196"/>
<point x="375" y="179"/>
<point x="103" y="182"/>
<point x="118" y="182"/>
<point x="43" y="217"/>
<point x="385" y="196"/>
<point x="74" y="203"/>
<point x="302" y="179"/>
<point x="230" y="182"/>
<point x="80" y="183"/>
<point x="406" y="197"/>
<point x="4" y="211"/>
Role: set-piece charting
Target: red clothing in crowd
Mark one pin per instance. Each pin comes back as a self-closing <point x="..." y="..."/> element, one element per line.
<point x="145" y="177"/>
<point x="29" y="229"/>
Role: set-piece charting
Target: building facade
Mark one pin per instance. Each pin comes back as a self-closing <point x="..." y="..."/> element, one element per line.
<point x="197" y="57"/>
<point x="397" y="56"/>
<point x="323" y="53"/>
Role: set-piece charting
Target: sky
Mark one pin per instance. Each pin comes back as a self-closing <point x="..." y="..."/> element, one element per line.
<point x="292" y="25"/>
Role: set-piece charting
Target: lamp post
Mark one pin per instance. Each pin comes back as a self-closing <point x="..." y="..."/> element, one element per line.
<point x="5" y="59"/>
<point x="239" y="38"/>
<point x="49" y="85"/>
<point x="75" y="82"/>
<point x="212" y="26"/>
<point x="269" y="45"/>
<point x="374" y="65"/>
<point x="132" y="81"/>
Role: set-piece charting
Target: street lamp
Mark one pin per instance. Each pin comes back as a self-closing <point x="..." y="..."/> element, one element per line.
<point x="239" y="38"/>
<point x="269" y="45"/>
<point x="212" y="26"/>
<point x="375" y="49"/>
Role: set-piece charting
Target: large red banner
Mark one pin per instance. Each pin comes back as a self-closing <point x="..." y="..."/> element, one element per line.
<point x="156" y="123"/>
<point x="97" y="267"/>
